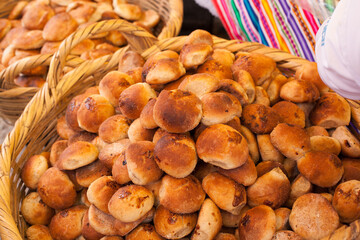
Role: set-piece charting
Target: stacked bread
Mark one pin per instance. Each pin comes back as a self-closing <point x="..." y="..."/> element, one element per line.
<point x="38" y="27"/>
<point x="203" y="144"/>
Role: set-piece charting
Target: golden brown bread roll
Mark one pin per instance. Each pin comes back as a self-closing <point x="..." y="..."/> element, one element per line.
<point x="63" y="129"/>
<point x="83" y="197"/>
<point x="33" y="169"/>
<point x="83" y="46"/>
<point x="259" y="119"/>
<point x="137" y="132"/>
<point x="273" y="90"/>
<point x="233" y="87"/>
<point x="346" y="201"/>
<point x="235" y="124"/>
<point x="119" y="169"/>
<point x="86" y="175"/>
<point x="308" y="72"/>
<point x="150" y="62"/>
<point x="172" y="225"/>
<point x="38" y="232"/>
<point x="36" y="16"/>
<point x="71" y="112"/>
<point x="350" y="145"/>
<point x="5" y="26"/>
<point x="261" y="96"/>
<point x="266" y="166"/>
<point x="282" y="218"/>
<point x="227" y="194"/>
<point x="219" y="107"/>
<point x="154" y="187"/>
<point x="202" y="169"/>
<point x="200" y="84"/>
<point x="67" y="224"/>
<point x="56" y="149"/>
<point x="133" y="99"/>
<point x="245" y="80"/>
<point x="101" y="190"/>
<point x="77" y="155"/>
<point x="232" y="221"/>
<point x="216" y="68"/>
<point x="331" y="111"/>
<point x="113" y="84"/>
<point x="164" y="70"/>
<point x="252" y="143"/>
<point x="321" y="168"/>
<point x="307" y="108"/>
<point x="147" y="116"/>
<point x="80" y="11"/>
<point x="199" y="36"/>
<point x="245" y="174"/>
<point x="258" y="223"/>
<point x="223" y="56"/>
<point x="59" y="27"/>
<point x="209" y="221"/>
<point x="313" y="217"/>
<point x="145" y="232"/>
<point x="17" y="11"/>
<point x="114" y="129"/>
<point x="222" y="146"/>
<point x="110" y="152"/>
<point x="72" y="176"/>
<point x="29" y="81"/>
<point x="299" y="187"/>
<point x="50" y="47"/>
<point x="135" y="74"/>
<point x="292" y="141"/>
<point x="141" y="164"/>
<point x="267" y="150"/>
<point x="177" y="111"/>
<point x="351" y="169"/>
<point x="326" y="144"/>
<point x="193" y="55"/>
<point x="81" y="136"/>
<point x="128" y="11"/>
<point x="95" y="53"/>
<point x="11" y="35"/>
<point x="7" y="55"/>
<point x="88" y="232"/>
<point x="290" y="113"/>
<point x="317" y="131"/>
<point x="34" y="210"/>
<point x="131" y="203"/>
<point x="328" y="196"/>
<point x="271" y="189"/>
<point x="286" y="235"/>
<point x="259" y="66"/>
<point x="93" y="111"/>
<point x="29" y="40"/>
<point x="299" y="91"/>
<point x="181" y="195"/>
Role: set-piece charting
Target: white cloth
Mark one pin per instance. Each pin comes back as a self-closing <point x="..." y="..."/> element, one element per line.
<point x="208" y="5"/>
<point x="338" y="50"/>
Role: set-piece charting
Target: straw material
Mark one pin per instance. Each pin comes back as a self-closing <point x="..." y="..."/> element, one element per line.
<point x="13" y="98"/>
<point x="35" y="130"/>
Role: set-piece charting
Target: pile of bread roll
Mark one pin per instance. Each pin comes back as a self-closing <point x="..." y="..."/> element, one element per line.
<point x="38" y="27"/>
<point x="203" y="144"/>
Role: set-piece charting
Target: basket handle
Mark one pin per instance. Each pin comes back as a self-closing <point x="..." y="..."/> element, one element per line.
<point x="138" y="39"/>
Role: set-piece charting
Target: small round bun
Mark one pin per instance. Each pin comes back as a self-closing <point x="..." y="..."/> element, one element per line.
<point x="251" y="141"/>
<point x="200" y="84"/>
<point x="350" y="145"/>
<point x="325" y="144"/>
<point x="351" y="169"/>
<point x="215" y="68"/>
<point x="38" y="232"/>
<point x="313" y="217"/>
<point x="86" y="175"/>
<point x="231" y="220"/>
<point x="260" y="119"/>
<point x="59" y="27"/>
<point x="317" y="131"/>
<point x="72" y="110"/>
<point x="234" y="88"/>
<point x="33" y="169"/>
<point x="164" y="70"/>
<point x="36" y="15"/>
<point x="181" y="195"/>
<point x="290" y="113"/>
<point x="282" y="218"/>
<point x="176" y="155"/>
<point x="133" y="99"/>
<point x="193" y="55"/>
<point x="267" y="150"/>
<point x="29" y="40"/>
<point x="308" y="72"/>
<point x="93" y="111"/>
<point x="321" y="168"/>
<point x="177" y="111"/>
<point x="141" y="164"/>
<point x="63" y="129"/>
<point x="245" y="80"/>
<point x="292" y="141"/>
<point x="223" y="56"/>
<point x="222" y="146"/>
<point x="110" y="152"/>
<point x="226" y="193"/>
<point x="114" y="129"/>
<point x="119" y="170"/>
<point x="299" y="91"/>
<point x="82" y="136"/>
<point x="147" y="116"/>
<point x="137" y="132"/>
<point x="131" y="203"/>
<point x="56" y="189"/>
<point x="144" y="231"/>
<point x="87" y="231"/>
<point x="172" y="225"/>
<point x="35" y="211"/>
<point x="129" y="61"/>
<point x="219" y="107"/>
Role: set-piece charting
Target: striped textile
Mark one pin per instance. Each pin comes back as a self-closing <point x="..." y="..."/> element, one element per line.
<point x="275" y="23"/>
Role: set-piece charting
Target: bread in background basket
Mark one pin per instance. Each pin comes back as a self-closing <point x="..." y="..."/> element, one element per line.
<point x="222" y="149"/>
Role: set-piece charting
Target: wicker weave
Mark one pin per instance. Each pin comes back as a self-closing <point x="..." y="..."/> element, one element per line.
<point x="35" y="130"/>
<point x="13" y="98"/>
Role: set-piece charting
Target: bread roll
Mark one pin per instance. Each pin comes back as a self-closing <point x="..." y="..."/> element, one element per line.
<point x="313" y="217"/>
<point x="267" y="166"/>
<point x="282" y="218"/>
<point x="133" y="99"/>
<point x="202" y="169"/>
<point x="261" y="96"/>
<point x="259" y="66"/>
<point x="226" y="193"/>
<point x="131" y="203"/>
<point x="144" y="231"/>
<point x="114" y="128"/>
<point x="290" y="113"/>
<point x="299" y="187"/>
<point x="33" y="169"/>
<point x="67" y="224"/>
<point x="151" y="61"/>
<point x="223" y="56"/>
<point x="86" y="175"/>
<point x="321" y="168"/>
<point x="63" y="129"/>
<point x="350" y="145"/>
<point x="83" y="198"/>
<point x="181" y="195"/>
<point x="346" y="201"/>
<point x="286" y="235"/>
<point x="50" y="47"/>
<point x="199" y="36"/>
<point x="93" y="111"/>
<point x="101" y="190"/>
<point x="245" y="174"/>
<point x="29" y="81"/>
<point x="83" y="46"/>
<point x="36" y="16"/>
<point x="38" y="232"/>
<point x="331" y="111"/>
<point x="154" y="187"/>
<point x="209" y="221"/>
<point x="351" y="169"/>
<point x="258" y="223"/>
<point x="200" y="84"/>
<point x="292" y="141"/>
<point x="246" y="81"/>
<point x="141" y="164"/>
<point x="317" y="131"/>
<point x="17" y="11"/>
<point x="111" y="152"/>
<point x="271" y="189"/>
<point x="172" y="225"/>
<point x="274" y="88"/>
<point x="147" y="117"/>
<point x="149" y="18"/>
<point x="222" y="146"/>
<point x="232" y="221"/>
<point x="137" y="132"/>
<point x="95" y="53"/>
<point x="71" y="112"/>
<point x="128" y="11"/>
<point x="129" y="61"/>
<point x="235" y="124"/>
<point x="164" y="70"/>
<point x="82" y="136"/>
<point x="177" y="111"/>
<point x="59" y="27"/>
<point x="72" y="176"/>
<point x="35" y="211"/>
<point x="326" y="144"/>
<point x="119" y="169"/>
<point x="299" y="91"/>
<point x="218" y="69"/>
<point x="29" y="40"/>
<point x="252" y="143"/>
<point x="267" y="150"/>
<point x="259" y="119"/>
<point x="308" y="72"/>
<point x="87" y="231"/>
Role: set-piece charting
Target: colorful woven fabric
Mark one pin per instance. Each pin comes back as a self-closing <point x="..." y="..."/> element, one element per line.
<point x="275" y="23"/>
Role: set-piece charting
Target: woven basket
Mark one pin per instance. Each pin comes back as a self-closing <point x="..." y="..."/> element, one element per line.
<point x="13" y="98"/>
<point x="35" y="130"/>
